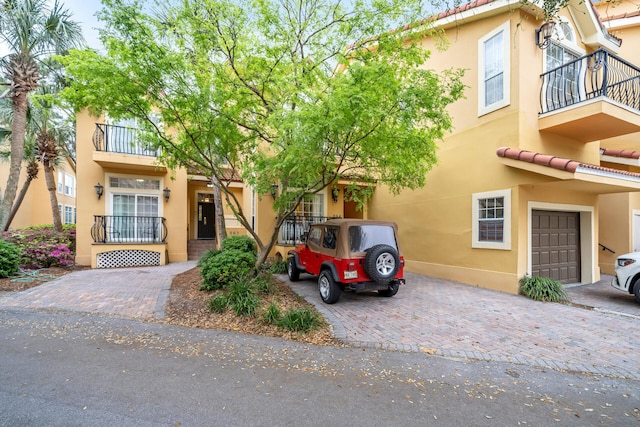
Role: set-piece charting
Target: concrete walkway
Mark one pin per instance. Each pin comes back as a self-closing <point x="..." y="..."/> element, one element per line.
<point x="427" y="315"/>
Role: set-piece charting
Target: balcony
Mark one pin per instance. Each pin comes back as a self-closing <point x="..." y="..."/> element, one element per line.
<point x="594" y="97"/>
<point x="114" y="229"/>
<point x="117" y="146"/>
<point x="295" y="228"/>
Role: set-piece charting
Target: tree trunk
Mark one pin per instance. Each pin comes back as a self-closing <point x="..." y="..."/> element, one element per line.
<point x="265" y="250"/>
<point x="19" y="199"/>
<point x="221" y="227"/>
<point x="17" y="153"/>
<point x="51" y="187"/>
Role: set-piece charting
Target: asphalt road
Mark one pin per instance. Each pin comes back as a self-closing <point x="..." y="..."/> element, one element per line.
<point x="61" y="369"/>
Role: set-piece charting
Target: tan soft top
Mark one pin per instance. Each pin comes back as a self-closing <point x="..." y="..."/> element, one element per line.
<point x="343" y="249"/>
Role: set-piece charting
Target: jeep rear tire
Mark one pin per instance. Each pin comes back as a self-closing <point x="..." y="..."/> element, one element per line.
<point x="292" y="269"/>
<point x="328" y="288"/>
<point x="391" y="291"/>
<point x="381" y="263"/>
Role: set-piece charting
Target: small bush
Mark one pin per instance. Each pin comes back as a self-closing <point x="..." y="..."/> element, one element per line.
<point x="242" y="298"/>
<point x="543" y="289"/>
<point x="277" y="267"/>
<point x="218" y="303"/>
<point x="300" y="320"/>
<point x="41" y="246"/>
<point x="9" y="259"/>
<point x="210" y="253"/>
<point x="262" y="284"/>
<point x="240" y="243"/>
<point x="272" y="315"/>
<point x="226" y="266"/>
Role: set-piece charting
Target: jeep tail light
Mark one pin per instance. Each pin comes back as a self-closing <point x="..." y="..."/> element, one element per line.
<point x="623" y="262"/>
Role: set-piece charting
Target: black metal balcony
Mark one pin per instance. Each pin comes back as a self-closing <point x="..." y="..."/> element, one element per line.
<point x="295" y="228"/>
<point x="128" y="229"/>
<point x="120" y="139"/>
<point x="599" y="74"/>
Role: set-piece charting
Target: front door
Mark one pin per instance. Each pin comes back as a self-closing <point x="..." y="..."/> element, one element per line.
<point x="206" y="220"/>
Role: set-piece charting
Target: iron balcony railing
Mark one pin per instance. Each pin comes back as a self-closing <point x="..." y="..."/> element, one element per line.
<point x="294" y="229"/>
<point x="599" y="74"/>
<point x="128" y="229"/>
<point x="120" y="139"/>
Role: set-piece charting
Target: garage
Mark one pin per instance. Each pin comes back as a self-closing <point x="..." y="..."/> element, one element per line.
<point x="555" y="245"/>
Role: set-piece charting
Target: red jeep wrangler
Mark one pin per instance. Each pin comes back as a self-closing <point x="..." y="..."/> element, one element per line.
<point x="350" y="254"/>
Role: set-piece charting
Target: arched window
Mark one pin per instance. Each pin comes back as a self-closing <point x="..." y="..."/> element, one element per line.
<point x="561" y="58"/>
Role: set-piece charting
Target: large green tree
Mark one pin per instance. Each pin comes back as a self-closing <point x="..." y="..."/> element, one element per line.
<point x="293" y="93"/>
<point x="31" y="31"/>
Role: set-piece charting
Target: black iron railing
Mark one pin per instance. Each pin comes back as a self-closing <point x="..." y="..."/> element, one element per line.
<point x="128" y="229"/>
<point x="120" y="139"/>
<point x="295" y="228"/>
<point x="599" y="74"/>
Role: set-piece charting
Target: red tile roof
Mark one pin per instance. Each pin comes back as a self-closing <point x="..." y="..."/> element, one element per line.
<point x="627" y="154"/>
<point x="621" y="16"/>
<point x="558" y="162"/>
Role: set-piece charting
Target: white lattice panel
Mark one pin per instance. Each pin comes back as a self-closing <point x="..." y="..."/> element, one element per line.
<point x="127" y="258"/>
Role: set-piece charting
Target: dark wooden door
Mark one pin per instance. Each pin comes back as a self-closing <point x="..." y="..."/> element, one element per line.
<point x="206" y="221"/>
<point x="555" y="245"/>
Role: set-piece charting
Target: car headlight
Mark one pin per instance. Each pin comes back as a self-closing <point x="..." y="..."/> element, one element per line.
<point x="623" y="262"/>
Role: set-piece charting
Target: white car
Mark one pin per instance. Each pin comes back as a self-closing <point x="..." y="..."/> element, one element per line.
<point x="627" y="277"/>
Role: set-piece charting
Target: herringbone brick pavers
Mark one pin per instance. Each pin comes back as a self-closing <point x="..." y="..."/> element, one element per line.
<point x="453" y="319"/>
<point x="128" y="292"/>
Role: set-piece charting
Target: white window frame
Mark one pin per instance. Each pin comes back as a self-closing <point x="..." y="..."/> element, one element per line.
<point x="566" y="41"/>
<point x="475" y="226"/>
<point x="69" y="185"/>
<point x="60" y="182"/>
<point x="506" y="71"/>
<point x="71" y="211"/>
<point x="109" y="191"/>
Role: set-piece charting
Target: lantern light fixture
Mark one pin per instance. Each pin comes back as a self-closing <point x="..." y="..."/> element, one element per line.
<point x="99" y="189"/>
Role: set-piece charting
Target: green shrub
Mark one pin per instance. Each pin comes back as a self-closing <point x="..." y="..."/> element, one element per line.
<point x="41" y="246"/>
<point x="300" y="319"/>
<point x="222" y="268"/>
<point x="272" y="315"/>
<point x="277" y="267"/>
<point x="241" y="296"/>
<point x="262" y="284"/>
<point x="240" y="243"/>
<point x="218" y="303"/>
<point x="543" y="289"/>
<point x="9" y="259"/>
<point x="210" y="253"/>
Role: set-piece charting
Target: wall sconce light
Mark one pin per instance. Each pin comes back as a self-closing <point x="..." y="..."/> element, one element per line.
<point x="544" y="34"/>
<point x="335" y="192"/>
<point x="274" y="190"/>
<point x="99" y="189"/>
<point x="166" y="192"/>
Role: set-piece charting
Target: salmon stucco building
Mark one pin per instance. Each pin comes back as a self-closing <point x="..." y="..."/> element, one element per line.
<point x="540" y="176"/>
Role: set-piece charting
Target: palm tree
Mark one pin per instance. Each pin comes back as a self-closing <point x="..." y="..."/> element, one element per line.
<point x="48" y="139"/>
<point x="31" y="31"/>
<point x="52" y="134"/>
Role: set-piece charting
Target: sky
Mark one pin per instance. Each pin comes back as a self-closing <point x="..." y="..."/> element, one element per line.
<point x="84" y="12"/>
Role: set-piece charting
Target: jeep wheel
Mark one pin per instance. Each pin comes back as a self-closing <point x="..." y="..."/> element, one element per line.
<point x="636" y="290"/>
<point x="381" y="263"/>
<point x="292" y="269"/>
<point x="329" y="289"/>
<point x="391" y="291"/>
